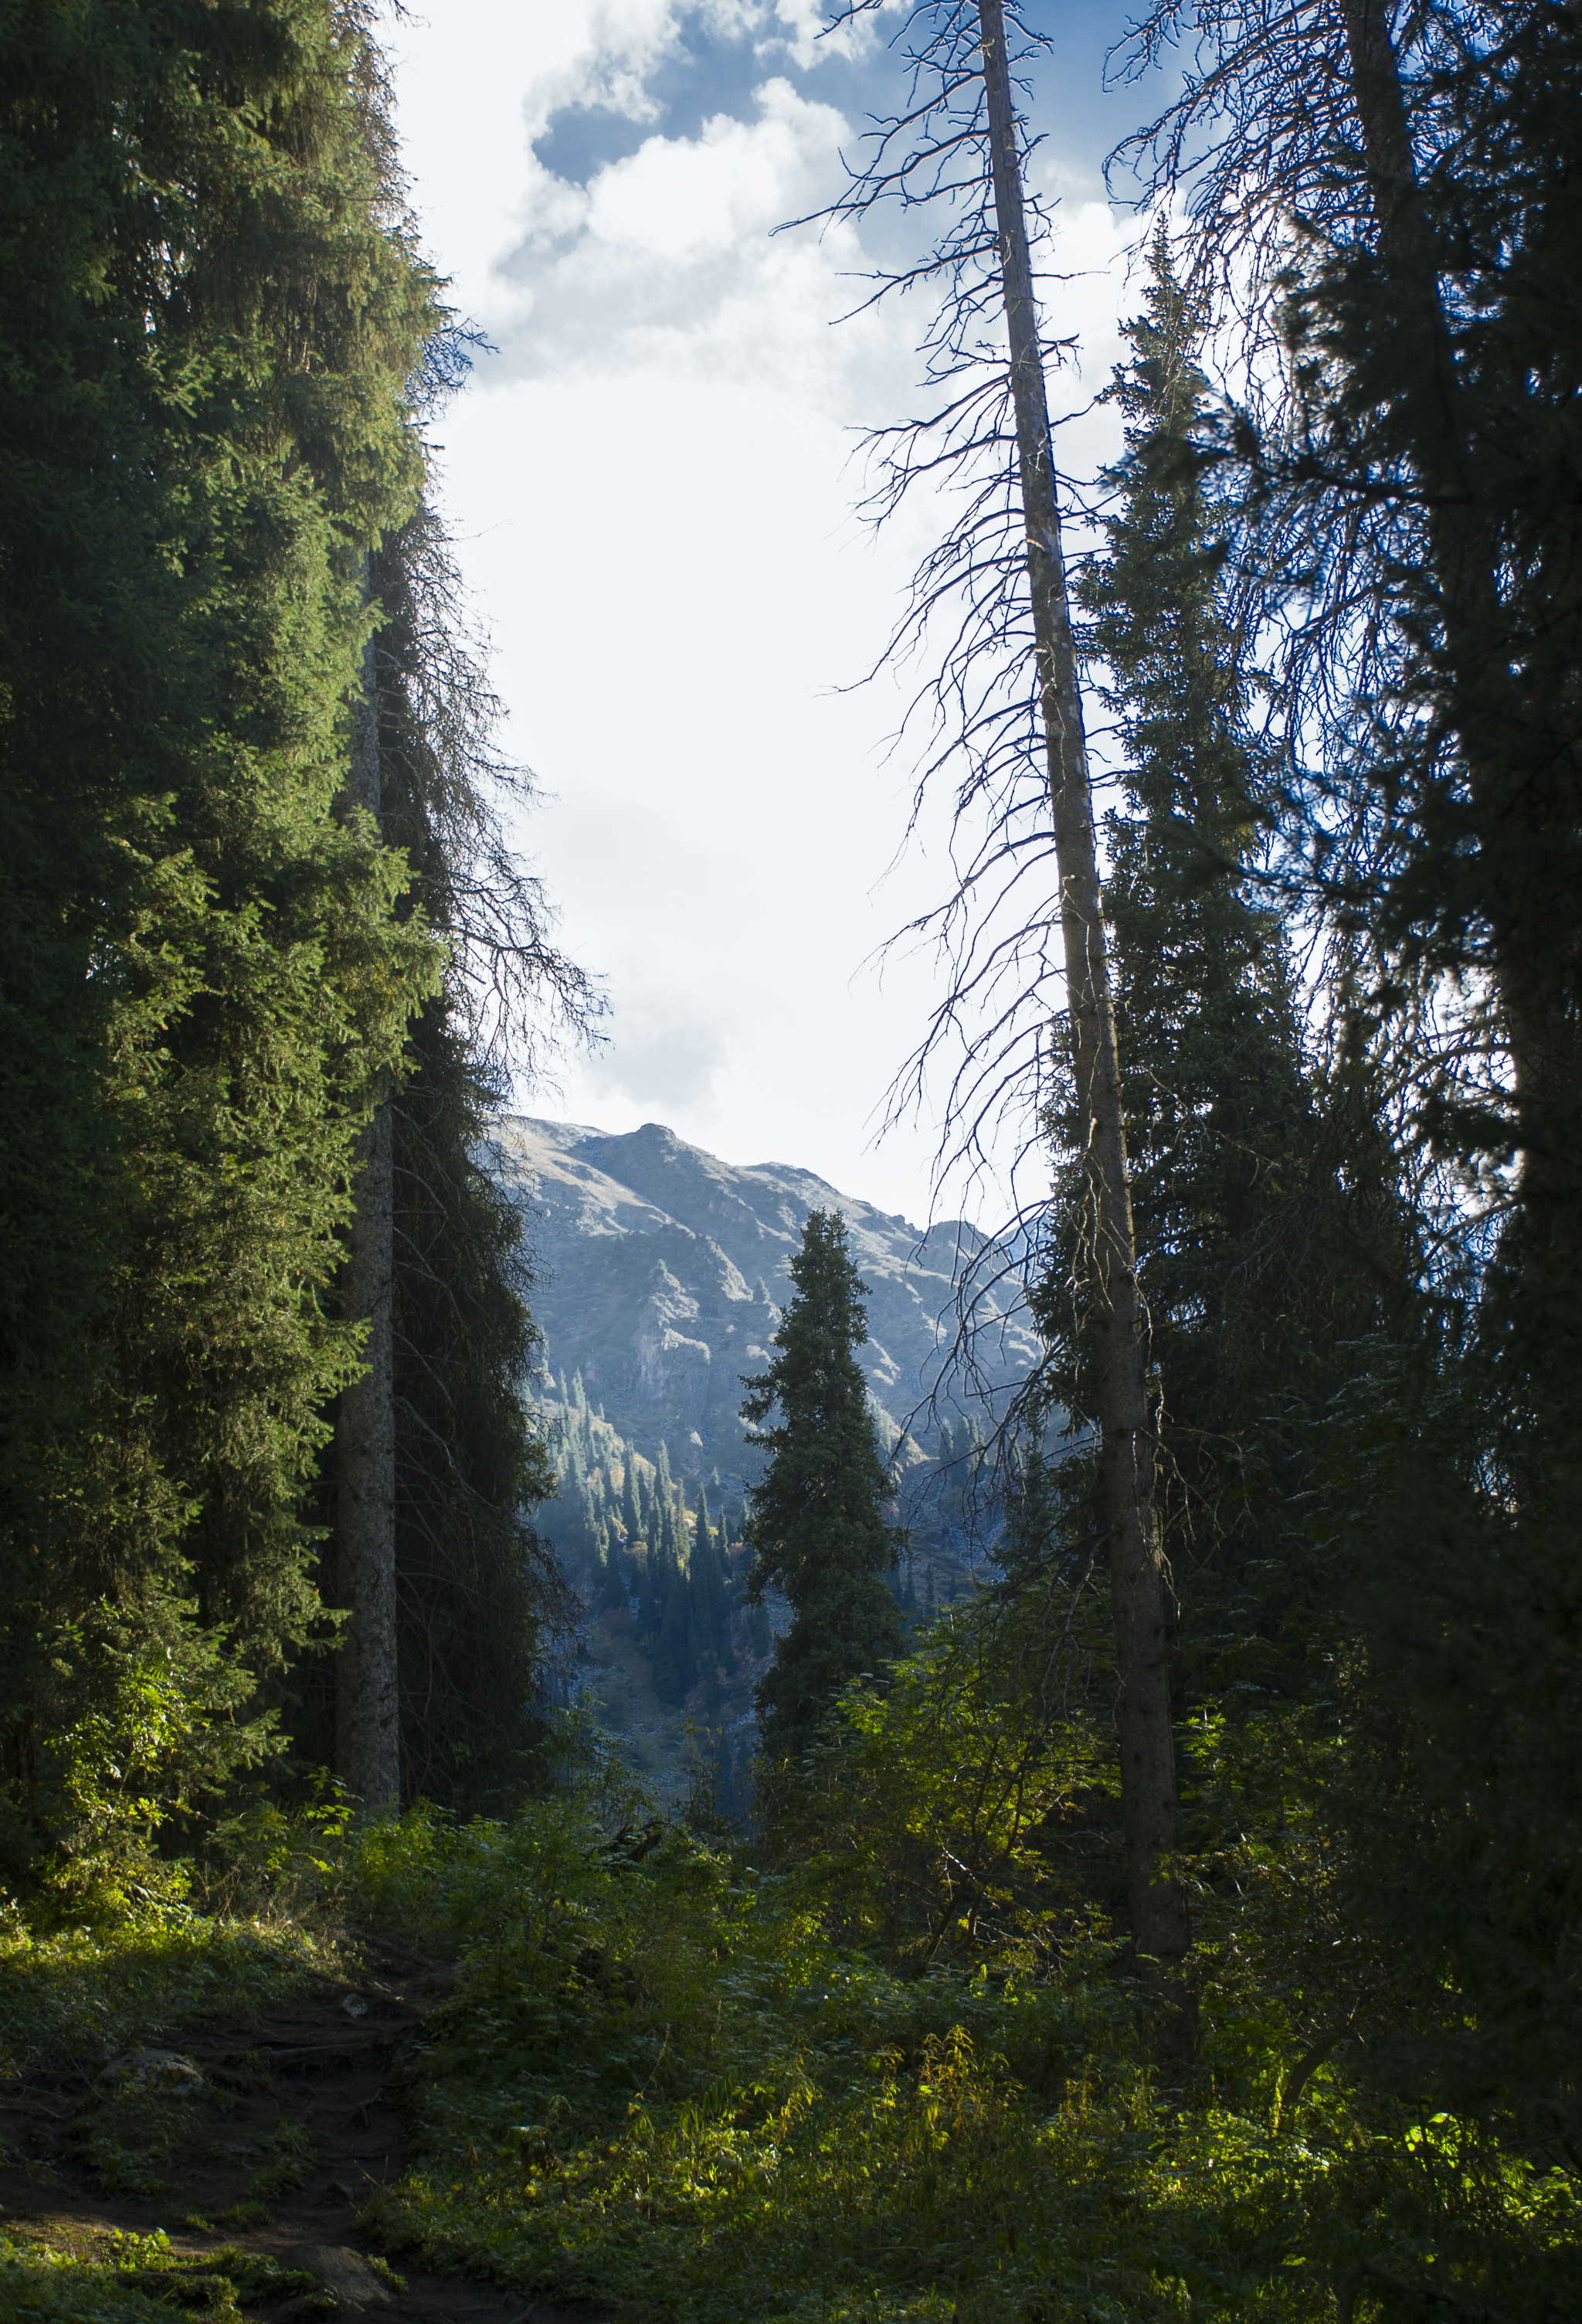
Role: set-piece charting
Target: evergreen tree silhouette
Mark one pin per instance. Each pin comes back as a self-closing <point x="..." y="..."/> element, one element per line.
<point x="817" y="1524"/>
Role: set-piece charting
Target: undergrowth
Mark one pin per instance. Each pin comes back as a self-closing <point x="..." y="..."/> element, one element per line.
<point x="661" y="2087"/>
<point x="73" y="1999"/>
<point x="670" y="2082"/>
<point x="76" y="1995"/>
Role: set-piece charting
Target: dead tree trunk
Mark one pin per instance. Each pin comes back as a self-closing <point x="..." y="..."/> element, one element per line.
<point x="1160" y="1928"/>
<point x="367" y="1723"/>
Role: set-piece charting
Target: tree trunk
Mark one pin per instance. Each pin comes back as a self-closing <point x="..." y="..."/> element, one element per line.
<point x="1517" y="748"/>
<point x="1160" y="1928"/>
<point x="367" y="1721"/>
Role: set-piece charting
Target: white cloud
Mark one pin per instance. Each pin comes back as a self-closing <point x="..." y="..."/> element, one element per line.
<point x="810" y="44"/>
<point x="598" y="52"/>
<point x="678" y="199"/>
<point x="478" y="84"/>
<point x="656" y="1061"/>
<point x="652" y="488"/>
<point x="670" y="259"/>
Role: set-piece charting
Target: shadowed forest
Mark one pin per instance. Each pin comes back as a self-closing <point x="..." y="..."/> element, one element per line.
<point x="870" y="1831"/>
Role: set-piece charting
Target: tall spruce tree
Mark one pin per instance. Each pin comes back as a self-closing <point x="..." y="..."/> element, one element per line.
<point x="215" y="962"/>
<point x="1252" y="1229"/>
<point x="1442" y="360"/>
<point x="817" y="1524"/>
<point x="473" y="1582"/>
<point x="1418" y="469"/>
<point x="208" y="324"/>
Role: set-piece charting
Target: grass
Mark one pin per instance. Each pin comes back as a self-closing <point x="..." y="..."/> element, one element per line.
<point x="78" y="1997"/>
<point x="131" y="2279"/>
<point x="73" y="1999"/>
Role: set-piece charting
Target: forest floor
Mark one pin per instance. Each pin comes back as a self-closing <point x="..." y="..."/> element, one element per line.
<point x="579" y="2065"/>
<point x="231" y="2161"/>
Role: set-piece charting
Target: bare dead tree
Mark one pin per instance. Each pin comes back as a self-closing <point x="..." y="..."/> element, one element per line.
<point x="1007" y="706"/>
<point x="425" y="770"/>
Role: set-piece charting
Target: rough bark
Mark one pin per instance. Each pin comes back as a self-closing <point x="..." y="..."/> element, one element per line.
<point x="1515" y="748"/>
<point x="1157" y="1903"/>
<point x="367" y="1702"/>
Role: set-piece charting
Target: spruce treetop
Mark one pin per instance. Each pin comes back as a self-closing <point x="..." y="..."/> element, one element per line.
<point x="817" y="1524"/>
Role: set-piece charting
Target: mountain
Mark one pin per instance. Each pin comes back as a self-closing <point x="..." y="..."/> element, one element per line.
<point x="661" y="1271"/>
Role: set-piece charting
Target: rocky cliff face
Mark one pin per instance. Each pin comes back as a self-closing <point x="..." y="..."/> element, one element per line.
<point x="661" y="1272"/>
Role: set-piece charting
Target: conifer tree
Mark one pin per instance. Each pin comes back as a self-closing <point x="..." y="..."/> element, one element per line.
<point x="368" y="1745"/>
<point x="207" y="331"/>
<point x="1250" y="1260"/>
<point x="1417" y="470"/>
<point x="817" y="1524"/>
<point x="710" y="1595"/>
<point x="651" y="1602"/>
<point x="674" y="1669"/>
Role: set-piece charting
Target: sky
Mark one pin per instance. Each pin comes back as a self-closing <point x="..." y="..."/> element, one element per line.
<point x="651" y="482"/>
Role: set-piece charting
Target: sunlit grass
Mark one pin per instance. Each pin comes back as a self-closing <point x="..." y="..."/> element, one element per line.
<point x="80" y="1993"/>
<point x="124" y="2278"/>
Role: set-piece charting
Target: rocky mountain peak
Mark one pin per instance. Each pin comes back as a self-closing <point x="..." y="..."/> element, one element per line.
<point x="661" y="1271"/>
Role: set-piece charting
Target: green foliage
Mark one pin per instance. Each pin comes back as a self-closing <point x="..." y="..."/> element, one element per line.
<point x="935" y="1819"/>
<point x="125" y="2278"/>
<point x="1438" y="363"/>
<point x="1458" y="1794"/>
<point x="665" y="2085"/>
<point x="817" y="1524"/>
<point x="662" y="2086"/>
<point x="68" y="1995"/>
<point x="133" y="1719"/>
<point x="207" y="326"/>
<point x="1411" y="560"/>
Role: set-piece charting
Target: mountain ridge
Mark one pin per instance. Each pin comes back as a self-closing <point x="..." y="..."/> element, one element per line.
<point x="661" y="1271"/>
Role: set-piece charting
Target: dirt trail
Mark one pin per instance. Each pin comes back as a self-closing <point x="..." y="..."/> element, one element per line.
<point x="269" y="2135"/>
